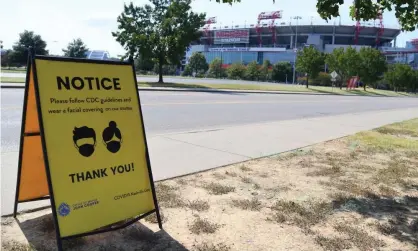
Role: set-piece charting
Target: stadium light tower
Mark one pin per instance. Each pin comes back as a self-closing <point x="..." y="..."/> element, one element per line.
<point x="297" y="24"/>
<point x="295" y="48"/>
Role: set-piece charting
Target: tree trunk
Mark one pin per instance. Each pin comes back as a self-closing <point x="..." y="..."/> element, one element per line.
<point x="307" y="81"/>
<point x="160" y="72"/>
<point x="364" y="85"/>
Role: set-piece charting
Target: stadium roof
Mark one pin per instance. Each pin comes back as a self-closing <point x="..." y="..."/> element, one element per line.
<point x="286" y="29"/>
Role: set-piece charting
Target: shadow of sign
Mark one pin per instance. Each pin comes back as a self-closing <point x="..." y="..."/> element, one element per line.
<point x="40" y="233"/>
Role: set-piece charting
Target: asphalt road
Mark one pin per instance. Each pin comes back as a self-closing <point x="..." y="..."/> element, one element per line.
<point x="169" y="112"/>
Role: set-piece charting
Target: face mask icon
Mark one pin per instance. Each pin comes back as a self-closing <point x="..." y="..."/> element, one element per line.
<point x="84" y="139"/>
<point x="112" y="137"/>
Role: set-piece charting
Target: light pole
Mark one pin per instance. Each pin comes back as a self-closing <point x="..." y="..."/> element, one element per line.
<point x="295" y="48"/>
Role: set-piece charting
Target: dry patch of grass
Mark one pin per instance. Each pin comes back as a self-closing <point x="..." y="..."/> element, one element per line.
<point x="246" y="180"/>
<point x="332" y="243"/>
<point x="245" y="204"/>
<point x="211" y="247"/>
<point x="168" y="196"/>
<point x="199" y="205"/>
<point x="200" y="226"/>
<point x="181" y="182"/>
<point x="395" y="173"/>
<point x="387" y="191"/>
<point x="7" y="221"/>
<point x="333" y="171"/>
<point x="232" y="174"/>
<point x="386" y="228"/>
<point x="359" y="237"/>
<point x="303" y="215"/>
<point x="218" y="189"/>
<point x="15" y="246"/>
<point x="219" y="176"/>
<point x="244" y="168"/>
<point x="152" y="218"/>
<point x="351" y="187"/>
<point x="264" y="175"/>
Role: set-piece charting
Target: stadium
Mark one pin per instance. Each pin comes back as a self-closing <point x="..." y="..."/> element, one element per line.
<point x="271" y="38"/>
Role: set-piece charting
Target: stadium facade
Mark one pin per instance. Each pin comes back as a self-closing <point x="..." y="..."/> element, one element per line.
<point x="278" y="41"/>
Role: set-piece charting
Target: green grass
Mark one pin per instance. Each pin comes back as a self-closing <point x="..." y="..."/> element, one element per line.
<point x="258" y="87"/>
<point x="13" y="70"/>
<point x="385" y="142"/>
<point x="279" y="87"/>
<point x="409" y="128"/>
<point x="12" y="80"/>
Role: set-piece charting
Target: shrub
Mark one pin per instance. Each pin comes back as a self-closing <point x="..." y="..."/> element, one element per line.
<point x="236" y="71"/>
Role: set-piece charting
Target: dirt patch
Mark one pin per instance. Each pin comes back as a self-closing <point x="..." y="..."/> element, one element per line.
<point x="355" y="193"/>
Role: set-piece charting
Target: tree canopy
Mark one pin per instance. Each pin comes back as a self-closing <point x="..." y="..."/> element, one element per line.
<point x="405" y="10"/>
<point x="281" y="72"/>
<point x="345" y="62"/>
<point x="197" y="63"/>
<point x="402" y="77"/>
<point x="76" y="49"/>
<point x="27" y="39"/>
<point x="372" y="66"/>
<point x="160" y="31"/>
<point x="309" y="61"/>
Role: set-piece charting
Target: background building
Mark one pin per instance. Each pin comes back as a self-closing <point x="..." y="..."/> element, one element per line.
<point x="277" y="40"/>
<point x="98" y="54"/>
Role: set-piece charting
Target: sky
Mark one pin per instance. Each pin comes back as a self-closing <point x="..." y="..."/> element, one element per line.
<point x="59" y="22"/>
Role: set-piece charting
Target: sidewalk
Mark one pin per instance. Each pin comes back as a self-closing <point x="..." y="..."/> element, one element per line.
<point x="184" y="153"/>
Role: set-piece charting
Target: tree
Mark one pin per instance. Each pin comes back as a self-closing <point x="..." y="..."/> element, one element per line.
<point x="144" y="64"/>
<point x="252" y="72"/>
<point x="345" y="62"/>
<point x="281" y="71"/>
<point x="216" y="70"/>
<point x="160" y="31"/>
<point x="236" y="71"/>
<point x="264" y="70"/>
<point x="400" y="77"/>
<point x="198" y="63"/>
<point x="309" y="61"/>
<point x="187" y="71"/>
<point x="20" y="49"/>
<point x="405" y="10"/>
<point x="372" y="65"/>
<point x="76" y="49"/>
<point x="6" y="58"/>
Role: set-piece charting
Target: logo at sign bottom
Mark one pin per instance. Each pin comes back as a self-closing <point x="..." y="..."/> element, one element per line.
<point x="64" y="209"/>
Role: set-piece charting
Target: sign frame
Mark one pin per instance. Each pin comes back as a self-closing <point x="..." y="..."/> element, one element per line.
<point x="31" y="66"/>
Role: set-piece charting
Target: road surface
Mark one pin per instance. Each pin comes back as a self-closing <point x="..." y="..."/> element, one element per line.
<point x="169" y="112"/>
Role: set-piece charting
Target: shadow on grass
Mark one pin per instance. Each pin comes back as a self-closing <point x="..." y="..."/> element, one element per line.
<point x="357" y="92"/>
<point x="40" y="233"/>
<point x="187" y="86"/>
<point x="401" y="214"/>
